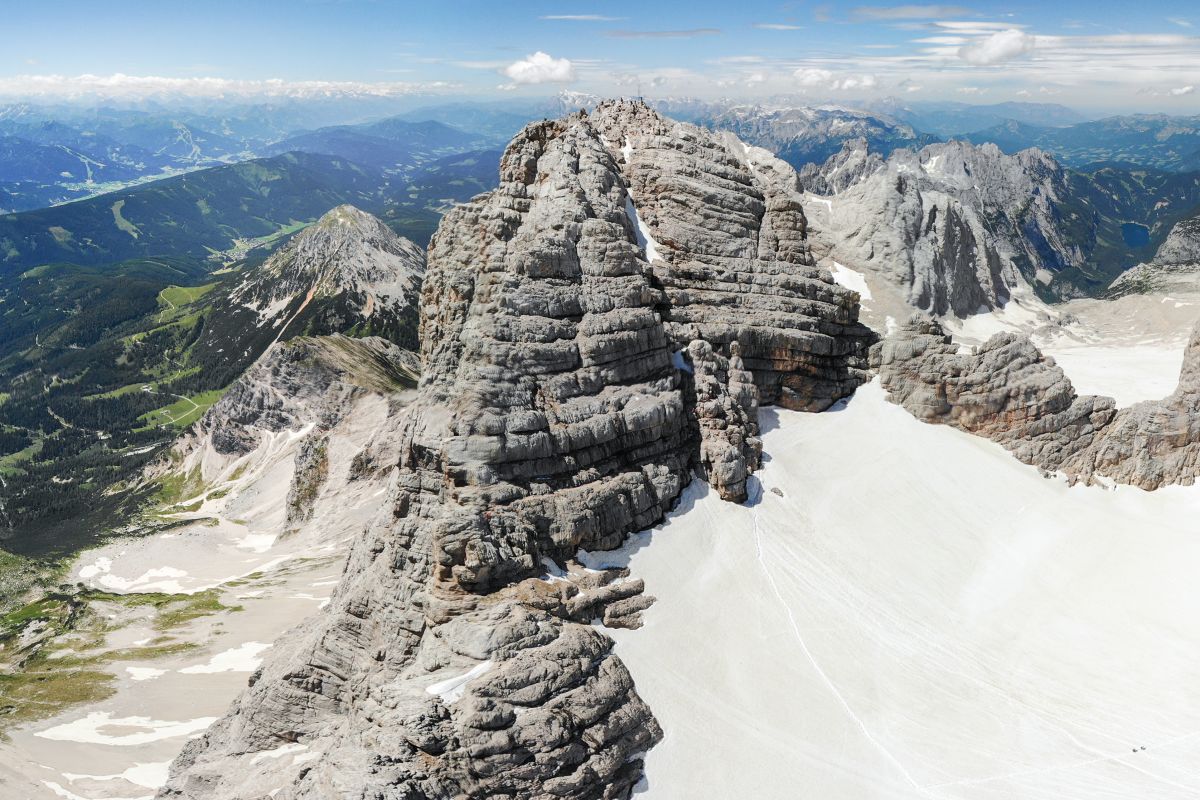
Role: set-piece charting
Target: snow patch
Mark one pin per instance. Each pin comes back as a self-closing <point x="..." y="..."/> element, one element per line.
<point x="244" y="658"/>
<point x="851" y="279"/>
<point x="452" y="689"/>
<point x="99" y="727"/>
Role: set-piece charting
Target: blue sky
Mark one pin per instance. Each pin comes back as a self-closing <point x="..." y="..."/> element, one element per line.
<point x="1091" y="54"/>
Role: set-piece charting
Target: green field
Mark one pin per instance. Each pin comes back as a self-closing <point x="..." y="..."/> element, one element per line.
<point x="183" y="412"/>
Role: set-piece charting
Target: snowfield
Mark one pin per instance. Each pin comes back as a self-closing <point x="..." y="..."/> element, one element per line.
<point x="918" y="615"/>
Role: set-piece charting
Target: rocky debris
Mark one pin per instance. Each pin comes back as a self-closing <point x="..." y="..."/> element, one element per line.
<point x="1007" y="391"/>
<point x="309" y="381"/>
<point x="552" y="416"/>
<point x="726" y="407"/>
<point x="724" y="231"/>
<point x="310" y="474"/>
<point x="954" y="226"/>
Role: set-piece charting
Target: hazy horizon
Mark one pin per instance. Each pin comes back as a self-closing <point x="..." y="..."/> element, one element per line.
<point x="1091" y="57"/>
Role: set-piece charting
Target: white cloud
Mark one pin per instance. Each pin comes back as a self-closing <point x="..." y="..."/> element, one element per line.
<point x="876" y="13"/>
<point x="690" y="33"/>
<point x="1182" y="90"/>
<point x="913" y="87"/>
<point x="540" y="68"/>
<point x="134" y="86"/>
<point x="582" y="17"/>
<point x="997" y="47"/>
<point x="813" y="77"/>
<point x="970" y="90"/>
<point x="777" y="26"/>
<point x="1183" y="23"/>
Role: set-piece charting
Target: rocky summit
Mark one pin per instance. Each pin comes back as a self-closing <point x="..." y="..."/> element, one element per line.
<point x="346" y="272"/>
<point x="595" y="330"/>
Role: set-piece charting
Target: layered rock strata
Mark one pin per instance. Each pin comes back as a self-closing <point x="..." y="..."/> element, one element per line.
<point x="555" y="414"/>
<point x="1007" y="391"/>
<point x="726" y="237"/>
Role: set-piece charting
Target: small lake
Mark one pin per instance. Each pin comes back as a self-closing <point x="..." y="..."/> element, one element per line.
<point x="1135" y="235"/>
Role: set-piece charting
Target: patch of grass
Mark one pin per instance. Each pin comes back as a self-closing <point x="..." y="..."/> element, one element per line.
<point x="179" y="486"/>
<point x="183" y="412"/>
<point x="182" y="295"/>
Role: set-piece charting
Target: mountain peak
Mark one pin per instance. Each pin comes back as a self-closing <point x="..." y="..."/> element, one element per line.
<point x="346" y="271"/>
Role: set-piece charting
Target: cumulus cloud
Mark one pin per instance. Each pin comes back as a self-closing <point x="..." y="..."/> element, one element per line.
<point x="1183" y="90"/>
<point x="540" y="68"/>
<point x="997" y="47"/>
<point x="777" y="26"/>
<point x="119" y="85"/>
<point x="885" y="13"/>
<point x="815" y="77"/>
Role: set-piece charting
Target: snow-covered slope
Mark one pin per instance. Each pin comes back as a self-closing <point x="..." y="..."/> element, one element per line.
<point x="907" y="612"/>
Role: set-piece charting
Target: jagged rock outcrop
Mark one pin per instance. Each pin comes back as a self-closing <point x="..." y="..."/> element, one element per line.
<point x="310" y="473"/>
<point x="852" y="164"/>
<point x="1006" y="390"/>
<point x="552" y="415"/>
<point x="726" y="407"/>
<point x="724" y="231"/>
<point x="1182" y="245"/>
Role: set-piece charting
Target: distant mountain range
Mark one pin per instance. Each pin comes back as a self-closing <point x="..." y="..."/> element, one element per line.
<point x="1170" y="143"/>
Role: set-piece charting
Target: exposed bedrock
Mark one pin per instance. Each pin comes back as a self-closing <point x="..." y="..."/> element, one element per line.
<point x="730" y="251"/>
<point x="555" y="413"/>
<point x="1006" y="390"/>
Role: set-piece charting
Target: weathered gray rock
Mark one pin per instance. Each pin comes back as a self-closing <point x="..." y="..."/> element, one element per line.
<point x="725" y="234"/>
<point x="1004" y="390"/>
<point x="309" y="380"/>
<point x="726" y="408"/>
<point x="1182" y="245"/>
<point x="954" y="226"/>
<point x="552" y="416"/>
<point x="1009" y="392"/>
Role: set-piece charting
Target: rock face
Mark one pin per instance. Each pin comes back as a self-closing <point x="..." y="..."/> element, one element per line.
<point x="955" y="226"/>
<point x="555" y="414"/>
<point x="724" y="231"/>
<point x="1009" y="392"/>
<point x="1004" y="390"/>
<point x="1182" y="245"/>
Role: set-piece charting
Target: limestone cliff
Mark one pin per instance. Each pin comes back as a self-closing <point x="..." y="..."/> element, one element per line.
<point x="593" y="331"/>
